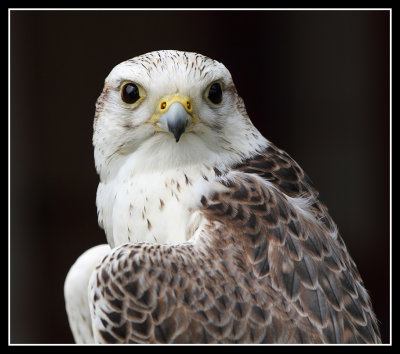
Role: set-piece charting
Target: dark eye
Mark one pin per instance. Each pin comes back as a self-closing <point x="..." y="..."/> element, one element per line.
<point x="130" y="93"/>
<point x="215" y="93"/>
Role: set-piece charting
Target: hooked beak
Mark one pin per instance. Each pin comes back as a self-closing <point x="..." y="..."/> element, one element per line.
<point x="175" y="116"/>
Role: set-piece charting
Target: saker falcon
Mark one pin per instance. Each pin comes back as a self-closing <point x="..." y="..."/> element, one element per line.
<point x="214" y="234"/>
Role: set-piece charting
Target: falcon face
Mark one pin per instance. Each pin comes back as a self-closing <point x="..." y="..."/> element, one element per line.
<point x="214" y="234"/>
<point x="173" y="109"/>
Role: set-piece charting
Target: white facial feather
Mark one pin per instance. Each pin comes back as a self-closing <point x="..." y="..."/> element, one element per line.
<point x="135" y="160"/>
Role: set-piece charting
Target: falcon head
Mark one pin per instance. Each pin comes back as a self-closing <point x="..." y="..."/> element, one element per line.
<point x="168" y="109"/>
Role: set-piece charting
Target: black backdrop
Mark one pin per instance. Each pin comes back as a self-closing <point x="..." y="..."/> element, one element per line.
<point x="316" y="83"/>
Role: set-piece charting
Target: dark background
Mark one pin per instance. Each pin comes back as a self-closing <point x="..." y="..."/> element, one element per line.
<point x="315" y="83"/>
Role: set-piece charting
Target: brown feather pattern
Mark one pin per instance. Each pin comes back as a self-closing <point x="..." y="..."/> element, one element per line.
<point x="261" y="271"/>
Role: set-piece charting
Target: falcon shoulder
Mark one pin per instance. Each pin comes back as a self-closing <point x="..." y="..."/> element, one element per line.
<point x="269" y="266"/>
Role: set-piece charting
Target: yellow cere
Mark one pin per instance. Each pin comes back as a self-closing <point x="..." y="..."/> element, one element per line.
<point x="167" y="101"/>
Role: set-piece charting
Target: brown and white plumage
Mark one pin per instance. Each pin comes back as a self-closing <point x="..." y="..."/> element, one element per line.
<point x="219" y="237"/>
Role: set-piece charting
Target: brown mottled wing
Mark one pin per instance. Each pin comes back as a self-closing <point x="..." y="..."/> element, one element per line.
<point x="261" y="271"/>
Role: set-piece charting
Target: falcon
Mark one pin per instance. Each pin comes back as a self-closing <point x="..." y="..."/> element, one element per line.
<point x="215" y="235"/>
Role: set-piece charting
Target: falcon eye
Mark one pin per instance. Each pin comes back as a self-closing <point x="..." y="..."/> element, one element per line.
<point x="130" y="93"/>
<point x="215" y="93"/>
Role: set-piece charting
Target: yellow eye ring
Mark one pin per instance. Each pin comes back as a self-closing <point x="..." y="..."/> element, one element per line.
<point x="131" y="93"/>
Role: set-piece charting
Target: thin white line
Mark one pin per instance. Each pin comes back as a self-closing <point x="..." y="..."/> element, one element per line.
<point x="200" y="9"/>
<point x="9" y="178"/>
<point x="390" y="176"/>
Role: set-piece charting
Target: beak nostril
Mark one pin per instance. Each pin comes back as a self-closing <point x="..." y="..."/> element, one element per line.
<point x="175" y="116"/>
